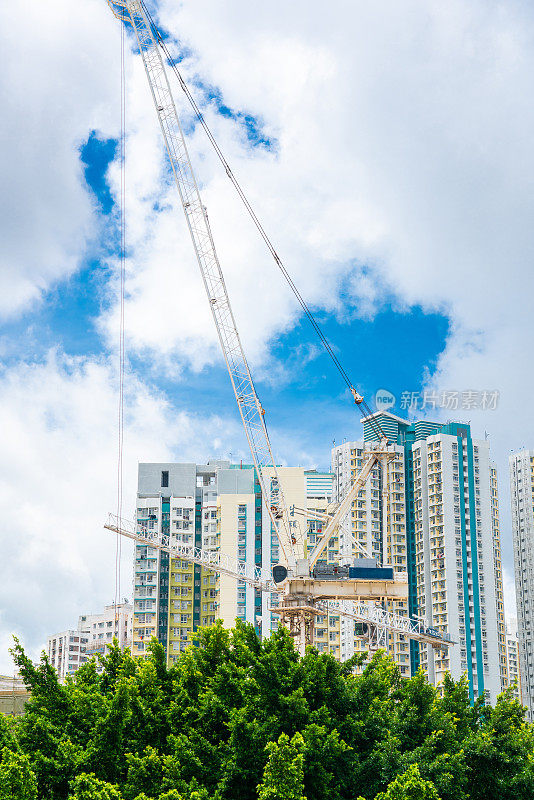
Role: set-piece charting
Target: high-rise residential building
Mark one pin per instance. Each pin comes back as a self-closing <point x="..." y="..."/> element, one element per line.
<point x="512" y="656"/>
<point x="95" y="633"/>
<point x="522" y="500"/>
<point x="443" y="527"/>
<point x="178" y="500"/>
<point x="368" y="533"/>
<point x="217" y="506"/>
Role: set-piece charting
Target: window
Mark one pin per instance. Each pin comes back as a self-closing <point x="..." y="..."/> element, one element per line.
<point x="165" y="478"/>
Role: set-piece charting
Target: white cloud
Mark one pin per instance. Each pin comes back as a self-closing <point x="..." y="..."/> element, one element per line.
<point x="55" y="87"/>
<point x="402" y="142"/>
<point x="58" y="480"/>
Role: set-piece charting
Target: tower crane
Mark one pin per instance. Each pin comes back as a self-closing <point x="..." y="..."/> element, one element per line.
<point x="305" y="590"/>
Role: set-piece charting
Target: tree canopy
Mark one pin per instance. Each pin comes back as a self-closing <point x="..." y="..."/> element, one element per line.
<point x="237" y="718"/>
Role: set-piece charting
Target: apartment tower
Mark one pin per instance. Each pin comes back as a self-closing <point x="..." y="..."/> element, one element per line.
<point x="443" y="528"/>
<point x="522" y="500"/>
<point x="217" y="506"/>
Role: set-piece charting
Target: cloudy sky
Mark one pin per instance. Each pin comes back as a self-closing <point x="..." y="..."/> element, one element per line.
<point x="386" y="146"/>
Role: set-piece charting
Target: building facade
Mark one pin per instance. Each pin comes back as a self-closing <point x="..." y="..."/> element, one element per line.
<point x="442" y="526"/>
<point x="115" y="622"/>
<point x="522" y="501"/>
<point x="68" y="650"/>
<point x="13" y="695"/>
<point x="367" y="532"/>
<point x="217" y="506"/>
<point x="514" y="670"/>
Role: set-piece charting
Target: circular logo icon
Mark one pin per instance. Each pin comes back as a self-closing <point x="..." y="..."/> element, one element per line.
<point x="384" y="400"/>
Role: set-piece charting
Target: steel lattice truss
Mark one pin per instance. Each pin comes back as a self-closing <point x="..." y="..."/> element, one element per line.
<point x="214" y="560"/>
<point x="370" y="613"/>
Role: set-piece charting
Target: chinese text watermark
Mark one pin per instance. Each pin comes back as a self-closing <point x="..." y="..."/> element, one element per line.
<point x="449" y="399"/>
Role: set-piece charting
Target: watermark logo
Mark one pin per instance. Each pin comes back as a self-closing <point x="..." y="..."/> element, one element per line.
<point x="451" y="399"/>
<point x="448" y="399"/>
<point x="384" y="400"/>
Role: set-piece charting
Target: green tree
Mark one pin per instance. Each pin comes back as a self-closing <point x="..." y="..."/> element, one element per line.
<point x="499" y="754"/>
<point x="283" y="776"/>
<point x="89" y="787"/>
<point x="410" y="786"/>
<point x="17" y="781"/>
<point x="236" y="718"/>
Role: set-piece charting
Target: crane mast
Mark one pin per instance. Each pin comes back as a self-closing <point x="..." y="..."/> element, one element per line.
<point x="250" y="408"/>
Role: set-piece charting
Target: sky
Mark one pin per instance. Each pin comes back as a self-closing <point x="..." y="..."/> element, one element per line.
<point x="387" y="149"/>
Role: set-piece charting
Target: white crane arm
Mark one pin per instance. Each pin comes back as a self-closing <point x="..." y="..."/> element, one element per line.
<point x="321" y="516"/>
<point x="216" y="561"/>
<point x="343" y="508"/>
<point x="371" y="614"/>
<point x="250" y="409"/>
<point x="259" y="578"/>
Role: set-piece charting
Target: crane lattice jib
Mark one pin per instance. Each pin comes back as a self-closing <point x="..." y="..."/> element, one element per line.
<point x="214" y="560"/>
<point x="250" y="409"/>
<point x="373" y="614"/>
<point x="261" y="579"/>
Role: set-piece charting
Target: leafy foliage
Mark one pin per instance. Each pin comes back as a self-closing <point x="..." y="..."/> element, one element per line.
<point x="17" y="781"/>
<point x="410" y="786"/>
<point x="240" y="719"/>
<point x="283" y="776"/>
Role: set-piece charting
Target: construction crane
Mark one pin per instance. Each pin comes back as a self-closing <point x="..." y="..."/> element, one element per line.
<point x="328" y="592"/>
<point x="304" y="589"/>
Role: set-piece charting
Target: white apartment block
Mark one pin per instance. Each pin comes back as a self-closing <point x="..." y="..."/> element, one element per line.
<point x="68" y="650"/>
<point x="522" y="500"/>
<point x="512" y="656"/>
<point x="115" y="622"/>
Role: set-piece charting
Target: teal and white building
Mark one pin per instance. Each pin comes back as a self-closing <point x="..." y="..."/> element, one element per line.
<point x="443" y="523"/>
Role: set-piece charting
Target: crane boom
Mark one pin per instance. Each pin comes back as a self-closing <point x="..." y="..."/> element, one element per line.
<point x="216" y="561"/>
<point x="381" y="454"/>
<point x="250" y="409"/>
<point x="372" y="614"/>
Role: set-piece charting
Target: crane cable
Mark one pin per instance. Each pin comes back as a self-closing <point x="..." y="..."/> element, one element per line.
<point x="362" y="404"/>
<point x="122" y="274"/>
